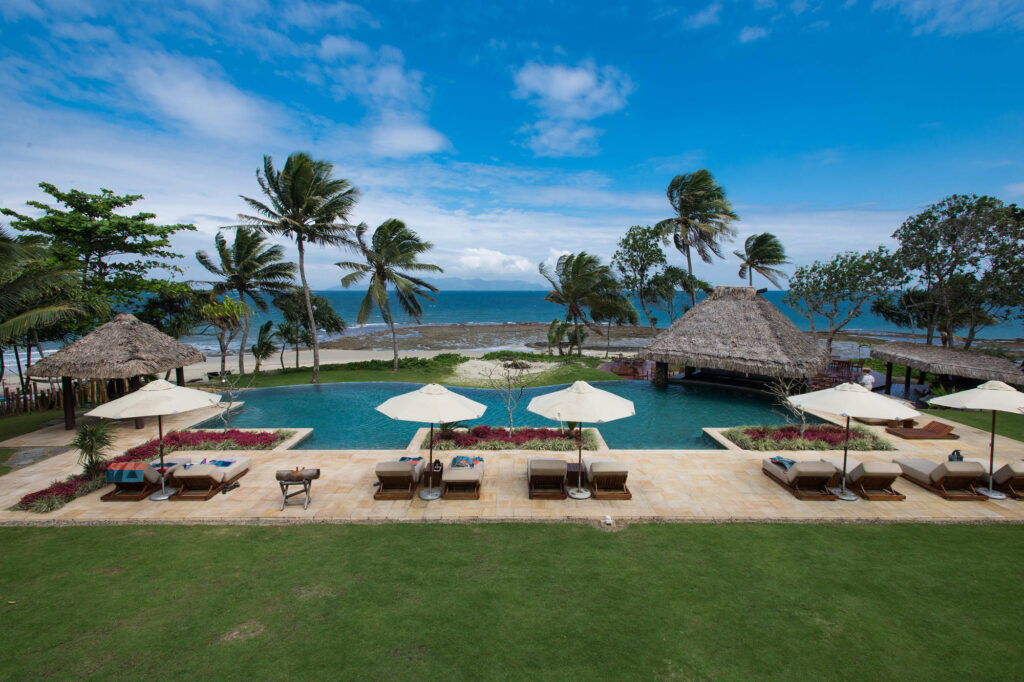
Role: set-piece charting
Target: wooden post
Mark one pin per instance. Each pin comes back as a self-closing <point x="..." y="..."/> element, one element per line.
<point x="69" y="403"/>
<point x="179" y="376"/>
<point x="688" y="372"/>
<point x="906" y="383"/>
<point x="661" y="374"/>
<point x="921" y="377"/>
<point x="888" y="378"/>
<point x="135" y="384"/>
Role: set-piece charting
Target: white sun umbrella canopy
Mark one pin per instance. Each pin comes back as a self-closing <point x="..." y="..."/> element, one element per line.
<point x="156" y="399"/>
<point x="433" y="404"/>
<point x="580" y="403"/>
<point x="991" y="396"/>
<point x="852" y="400"/>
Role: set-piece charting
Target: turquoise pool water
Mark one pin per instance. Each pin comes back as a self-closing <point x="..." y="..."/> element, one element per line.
<point x="342" y="415"/>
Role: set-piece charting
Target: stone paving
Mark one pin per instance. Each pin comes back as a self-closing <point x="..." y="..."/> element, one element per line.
<point x="667" y="485"/>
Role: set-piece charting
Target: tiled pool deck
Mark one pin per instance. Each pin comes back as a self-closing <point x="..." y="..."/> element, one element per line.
<point x="667" y="485"/>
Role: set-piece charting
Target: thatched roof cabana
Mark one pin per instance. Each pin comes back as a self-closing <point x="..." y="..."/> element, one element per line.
<point x="736" y="330"/>
<point x="939" y="360"/>
<point x="124" y="348"/>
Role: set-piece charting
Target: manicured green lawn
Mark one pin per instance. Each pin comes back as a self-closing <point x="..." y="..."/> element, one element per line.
<point x="5" y="454"/>
<point x="16" y="425"/>
<point x="1007" y="424"/>
<point x="508" y="601"/>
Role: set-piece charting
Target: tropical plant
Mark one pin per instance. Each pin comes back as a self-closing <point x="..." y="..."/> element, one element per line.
<point x="248" y="268"/>
<point x="617" y="310"/>
<point x="664" y="288"/>
<point x="293" y="308"/>
<point x="390" y="257"/>
<point x="638" y="259"/>
<point x="294" y="334"/>
<point x="703" y="218"/>
<point x="761" y="252"/>
<point x="264" y="346"/>
<point x="226" y="318"/>
<point x="174" y="310"/>
<point x="307" y="205"/>
<point x="91" y="440"/>
<point x="580" y="282"/>
<point x="556" y="335"/>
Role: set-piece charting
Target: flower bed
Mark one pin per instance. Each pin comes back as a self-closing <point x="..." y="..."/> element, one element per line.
<point x="817" y="437"/>
<point x="59" y="493"/>
<point x="490" y="438"/>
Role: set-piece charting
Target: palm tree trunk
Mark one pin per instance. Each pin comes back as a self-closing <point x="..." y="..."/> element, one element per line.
<point x="17" y="359"/>
<point x="643" y="306"/>
<point x="750" y="276"/>
<point x="608" y="340"/>
<point x="222" y="341"/>
<point x="280" y="358"/>
<point x="394" y="338"/>
<point x="296" y="354"/>
<point x="245" y="337"/>
<point x="309" y="311"/>
<point x="689" y="269"/>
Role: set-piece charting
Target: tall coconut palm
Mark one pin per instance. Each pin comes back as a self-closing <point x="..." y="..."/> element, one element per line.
<point x="761" y="252"/>
<point x="390" y="256"/>
<point x="581" y="283"/>
<point x="703" y="218"/>
<point x="249" y="268"/>
<point x="307" y="205"/>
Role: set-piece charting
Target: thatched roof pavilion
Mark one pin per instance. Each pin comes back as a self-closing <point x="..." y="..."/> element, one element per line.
<point x="736" y="330"/>
<point x="939" y="360"/>
<point x="123" y="348"/>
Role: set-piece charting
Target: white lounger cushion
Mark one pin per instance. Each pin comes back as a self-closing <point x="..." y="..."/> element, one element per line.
<point x="602" y="465"/>
<point x="219" y="474"/>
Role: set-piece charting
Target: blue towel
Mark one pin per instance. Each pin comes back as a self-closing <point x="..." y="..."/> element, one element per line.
<point x="464" y="462"/>
<point x="783" y="462"/>
<point x="410" y="459"/>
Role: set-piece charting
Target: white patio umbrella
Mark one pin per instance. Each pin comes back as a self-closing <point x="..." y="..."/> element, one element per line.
<point x="994" y="396"/>
<point x="852" y="400"/>
<point x="157" y="399"/>
<point x="434" y="404"/>
<point x="580" y="403"/>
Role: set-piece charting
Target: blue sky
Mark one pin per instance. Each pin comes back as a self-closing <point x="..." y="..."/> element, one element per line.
<point x="507" y="134"/>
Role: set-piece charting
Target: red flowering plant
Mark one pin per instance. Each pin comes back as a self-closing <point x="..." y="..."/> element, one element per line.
<point x="490" y="438"/>
<point x="59" y="493"/>
<point x="816" y="437"/>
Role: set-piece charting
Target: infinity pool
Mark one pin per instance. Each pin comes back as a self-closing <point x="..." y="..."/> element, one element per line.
<point x="342" y="415"/>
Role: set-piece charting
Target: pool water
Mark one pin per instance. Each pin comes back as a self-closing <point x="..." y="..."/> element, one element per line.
<point x="342" y="415"/>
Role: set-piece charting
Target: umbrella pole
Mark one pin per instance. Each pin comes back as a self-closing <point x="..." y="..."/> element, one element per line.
<point x="990" y="491"/>
<point x="430" y="492"/>
<point x="841" y="492"/>
<point x="164" y="492"/>
<point x="579" y="492"/>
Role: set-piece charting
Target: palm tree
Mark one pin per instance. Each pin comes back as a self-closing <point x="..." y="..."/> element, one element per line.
<point x="760" y="252"/>
<point x="390" y="257"/>
<point x="305" y="204"/>
<point x="226" y="318"/>
<point x="580" y="282"/>
<point x="264" y="346"/>
<point x="703" y="218"/>
<point x="249" y="268"/>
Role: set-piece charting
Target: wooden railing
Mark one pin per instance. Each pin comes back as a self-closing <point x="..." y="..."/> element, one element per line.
<point x="48" y="396"/>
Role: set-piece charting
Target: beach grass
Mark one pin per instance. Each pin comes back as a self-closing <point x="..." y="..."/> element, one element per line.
<point x="513" y="601"/>
<point x="1007" y="424"/>
<point x="19" y="424"/>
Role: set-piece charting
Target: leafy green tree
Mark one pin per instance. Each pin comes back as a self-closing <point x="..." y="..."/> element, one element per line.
<point x="580" y="282"/>
<point x="616" y="310"/>
<point x="639" y="258"/>
<point x="113" y="253"/>
<point x="294" y="334"/>
<point x="248" y="268"/>
<point x="174" y="310"/>
<point x="703" y="218"/>
<point x="761" y="252"/>
<point x="390" y="258"/>
<point x="264" y="347"/>
<point x="226" y="318"/>
<point x="293" y="307"/>
<point x="665" y="287"/>
<point x="837" y="290"/>
<point x="304" y="203"/>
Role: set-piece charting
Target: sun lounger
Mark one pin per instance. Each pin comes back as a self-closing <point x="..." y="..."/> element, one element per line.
<point x="133" y="491"/>
<point x="203" y="481"/>
<point x="894" y="423"/>
<point x="1008" y="478"/>
<point x="930" y="431"/>
<point x="546" y="478"/>
<point x="869" y="480"/>
<point x="805" y="480"/>
<point x="462" y="483"/>
<point x="951" y="480"/>
<point x="398" y="480"/>
<point x="607" y="478"/>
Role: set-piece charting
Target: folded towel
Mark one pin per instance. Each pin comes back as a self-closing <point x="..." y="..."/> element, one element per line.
<point x="221" y="462"/>
<point x="409" y="459"/>
<point x="956" y="456"/>
<point x="783" y="462"/>
<point x="465" y="462"/>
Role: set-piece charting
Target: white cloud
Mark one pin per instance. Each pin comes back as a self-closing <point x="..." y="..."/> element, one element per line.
<point x="84" y="32"/>
<point x="949" y="17"/>
<point x="311" y="15"/>
<point x="333" y="47"/>
<point x="798" y="7"/>
<point x="1015" y="189"/>
<point x="491" y="262"/>
<point x="752" y="33"/>
<point x="399" y="137"/>
<point x="12" y="10"/>
<point x="562" y="138"/>
<point x="708" y="16"/>
<point x="583" y="91"/>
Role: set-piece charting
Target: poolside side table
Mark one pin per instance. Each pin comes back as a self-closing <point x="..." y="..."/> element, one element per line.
<point x="297" y="477"/>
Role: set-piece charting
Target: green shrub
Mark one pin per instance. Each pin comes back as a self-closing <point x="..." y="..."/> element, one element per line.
<point x="90" y="441"/>
<point x="860" y="439"/>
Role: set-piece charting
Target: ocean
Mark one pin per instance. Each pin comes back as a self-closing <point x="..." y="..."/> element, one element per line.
<point x="496" y="307"/>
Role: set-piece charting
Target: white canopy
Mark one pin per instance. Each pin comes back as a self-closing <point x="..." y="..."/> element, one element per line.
<point x="432" y="404"/>
<point x="581" y="402"/>
<point x="155" y="399"/>
<point x="991" y="395"/>
<point x="853" y="400"/>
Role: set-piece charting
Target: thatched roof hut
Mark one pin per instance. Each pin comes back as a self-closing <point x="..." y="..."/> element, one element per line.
<point x="736" y="330"/>
<point x="939" y="360"/>
<point x="123" y="348"/>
